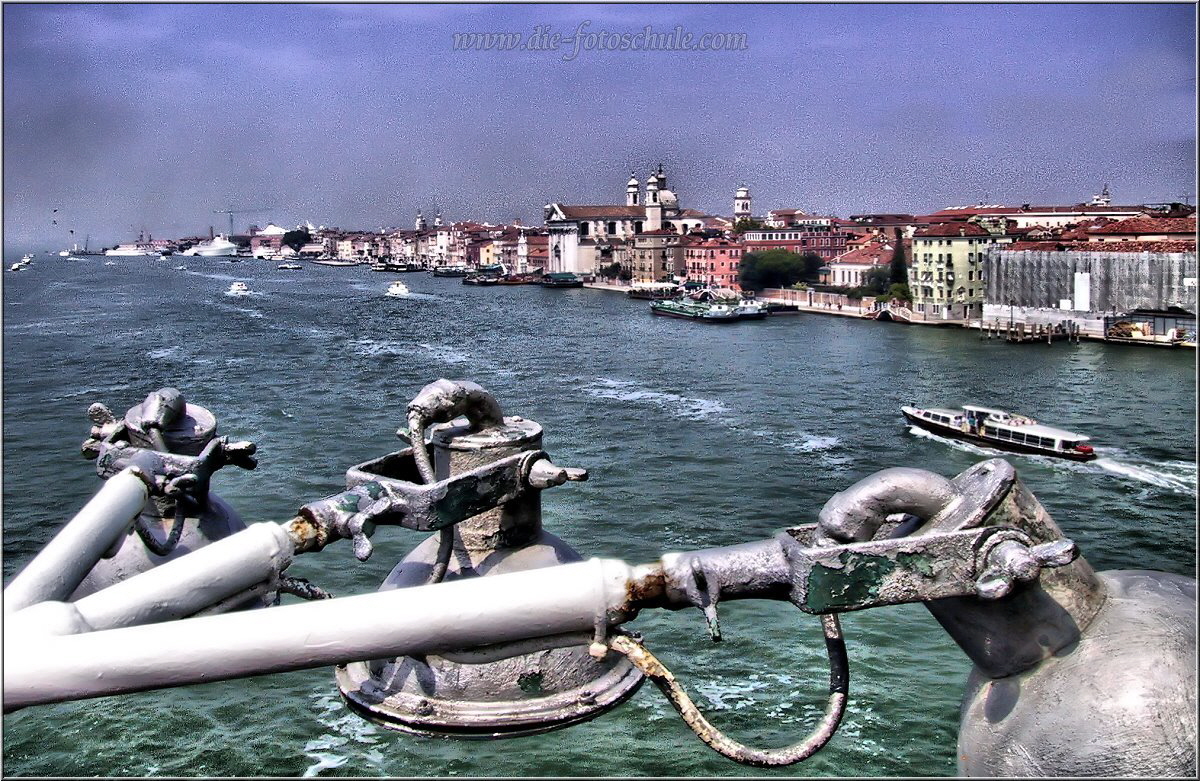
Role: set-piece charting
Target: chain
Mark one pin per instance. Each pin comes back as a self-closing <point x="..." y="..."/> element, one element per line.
<point x="839" y="680"/>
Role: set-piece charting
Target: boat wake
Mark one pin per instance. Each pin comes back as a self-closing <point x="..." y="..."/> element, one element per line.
<point x="1176" y="476"/>
<point x="718" y="412"/>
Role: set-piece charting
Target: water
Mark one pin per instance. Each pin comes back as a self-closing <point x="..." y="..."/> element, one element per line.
<point x="693" y="435"/>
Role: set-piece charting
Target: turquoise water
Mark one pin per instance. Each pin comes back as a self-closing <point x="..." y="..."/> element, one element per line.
<point x="694" y="436"/>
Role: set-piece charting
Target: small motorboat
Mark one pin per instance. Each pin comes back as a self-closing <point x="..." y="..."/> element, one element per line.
<point x="289" y="266"/>
<point x="1001" y="430"/>
<point x="397" y="289"/>
<point x="238" y="289"/>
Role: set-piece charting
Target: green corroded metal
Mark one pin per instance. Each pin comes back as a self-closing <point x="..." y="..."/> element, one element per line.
<point x="854" y="584"/>
<point x="858" y="580"/>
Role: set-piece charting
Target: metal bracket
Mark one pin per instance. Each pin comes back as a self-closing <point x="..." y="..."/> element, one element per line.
<point x="380" y="493"/>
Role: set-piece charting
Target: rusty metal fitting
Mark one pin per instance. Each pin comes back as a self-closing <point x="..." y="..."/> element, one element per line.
<point x="1010" y="557"/>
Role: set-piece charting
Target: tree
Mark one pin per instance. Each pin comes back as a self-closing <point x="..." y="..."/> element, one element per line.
<point x="812" y="263"/>
<point x="776" y="268"/>
<point x="876" y="281"/>
<point x="747" y="224"/>
<point x="898" y="269"/>
<point x="296" y="239"/>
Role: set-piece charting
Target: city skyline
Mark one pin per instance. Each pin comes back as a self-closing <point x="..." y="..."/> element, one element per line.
<point x="125" y="118"/>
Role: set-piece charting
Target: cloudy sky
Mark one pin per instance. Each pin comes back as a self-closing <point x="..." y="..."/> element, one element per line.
<point x="124" y="117"/>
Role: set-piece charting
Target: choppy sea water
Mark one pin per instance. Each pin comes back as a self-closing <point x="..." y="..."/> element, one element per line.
<point x="693" y="435"/>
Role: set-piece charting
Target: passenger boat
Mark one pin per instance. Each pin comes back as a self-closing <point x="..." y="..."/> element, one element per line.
<point x="1002" y="430"/>
<point x="561" y="279"/>
<point x="238" y="289"/>
<point x="397" y="289"/>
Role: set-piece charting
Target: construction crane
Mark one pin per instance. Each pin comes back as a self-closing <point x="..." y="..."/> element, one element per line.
<point x="232" y="212"/>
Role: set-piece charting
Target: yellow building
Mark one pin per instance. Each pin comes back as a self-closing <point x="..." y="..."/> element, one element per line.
<point x="946" y="271"/>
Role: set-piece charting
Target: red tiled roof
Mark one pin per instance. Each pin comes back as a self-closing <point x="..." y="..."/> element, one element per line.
<point x="874" y="254"/>
<point x="1172" y="245"/>
<point x="1175" y="245"/>
<point x="952" y="229"/>
<point x="1153" y="226"/>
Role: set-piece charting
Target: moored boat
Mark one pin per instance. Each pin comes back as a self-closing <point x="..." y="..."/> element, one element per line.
<point x="561" y="279"/>
<point x="694" y="310"/>
<point x="1001" y="430"/>
<point x="217" y="247"/>
<point x="450" y="271"/>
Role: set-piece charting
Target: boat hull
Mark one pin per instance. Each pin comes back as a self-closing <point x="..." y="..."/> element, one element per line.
<point x="1012" y="447"/>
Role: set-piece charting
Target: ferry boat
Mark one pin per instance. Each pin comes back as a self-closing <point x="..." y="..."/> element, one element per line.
<point x="238" y="289"/>
<point x="397" y="289"/>
<point x="561" y="279"/>
<point x="1001" y="430"/>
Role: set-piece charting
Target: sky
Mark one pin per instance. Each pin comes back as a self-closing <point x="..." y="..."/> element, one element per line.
<point x="150" y="117"/>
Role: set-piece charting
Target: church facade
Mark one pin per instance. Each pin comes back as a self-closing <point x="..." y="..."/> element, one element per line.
<point x="586" y="238"/>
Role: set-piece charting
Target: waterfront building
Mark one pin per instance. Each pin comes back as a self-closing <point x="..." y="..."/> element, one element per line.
<point x="716" y="262"/>
<point x="1092" y="283"/>
<point x="865" y="253"/>
<point x="823" y="236"/>
<point x="266" y="242"/>
<point x="657" y="256"/>
<point x="585" y="238"/>
<point x="946" y="277"/>
<point x="532" y="250"/>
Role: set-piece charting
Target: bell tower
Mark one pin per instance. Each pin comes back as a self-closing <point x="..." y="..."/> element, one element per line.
<point x="420" y="221"/>
<point x="741" y="204"/>
<point x="654" y="208"/>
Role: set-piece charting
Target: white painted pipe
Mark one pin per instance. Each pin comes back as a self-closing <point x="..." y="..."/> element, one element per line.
<point x="186" y="585"/>
<point x="426" y="619"/>
<point x="67" y="559"/>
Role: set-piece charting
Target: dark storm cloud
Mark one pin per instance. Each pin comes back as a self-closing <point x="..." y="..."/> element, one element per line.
<point x="153" y="116"/>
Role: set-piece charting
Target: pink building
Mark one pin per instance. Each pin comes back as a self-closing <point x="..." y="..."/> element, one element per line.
<point x="715" y="262"/>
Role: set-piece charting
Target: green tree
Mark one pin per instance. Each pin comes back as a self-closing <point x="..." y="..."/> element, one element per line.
<point x="876" y="281"/>
<point x="776" y="268"/>
<point x="898" y="269"/>
<point x="747" y="224"/>
<point x="296" y="239"/>
<point x="812" y="263"/>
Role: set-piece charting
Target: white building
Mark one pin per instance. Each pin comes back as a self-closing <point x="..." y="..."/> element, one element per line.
<point x="583" y="238"/>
